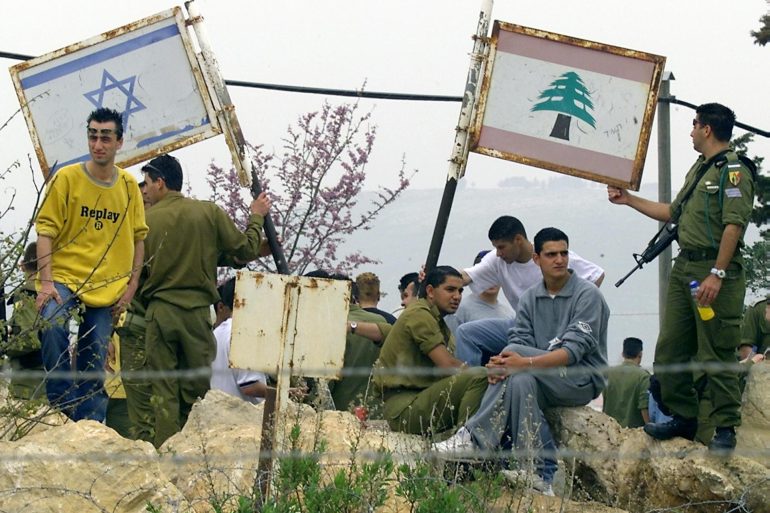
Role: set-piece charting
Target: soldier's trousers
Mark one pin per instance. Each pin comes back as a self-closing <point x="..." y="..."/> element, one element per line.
<point x="177" y="339"/>
<point x="446" y="404"/>
<point x="138" y="389"/>
<point x="686" y="338"/>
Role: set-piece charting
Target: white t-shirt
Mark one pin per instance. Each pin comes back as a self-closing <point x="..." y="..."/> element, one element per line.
<point x="515" y="278"/>
<point x="473" y="308"/>
<point x="222" y="376"/>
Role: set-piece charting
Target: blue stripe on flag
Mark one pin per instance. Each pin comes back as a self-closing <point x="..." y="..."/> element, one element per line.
<point x="172" y="133"/>
<point x="100" y="56"/>
<point x="81" y="158"/>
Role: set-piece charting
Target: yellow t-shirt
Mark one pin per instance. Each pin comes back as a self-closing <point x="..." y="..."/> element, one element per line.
<point x="93" y="226"/>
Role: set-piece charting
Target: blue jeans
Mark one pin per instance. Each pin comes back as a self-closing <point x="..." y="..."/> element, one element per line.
<point x="477" y="341"/>
<point x="79" y="397"/>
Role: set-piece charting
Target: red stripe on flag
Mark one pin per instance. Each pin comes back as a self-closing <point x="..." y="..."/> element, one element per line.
<point x="567" y="55"/>
<point x="556" y="153"/>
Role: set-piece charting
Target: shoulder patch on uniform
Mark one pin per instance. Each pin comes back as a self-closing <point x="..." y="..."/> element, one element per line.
<point x="733" y="192"/>
<point x="584" y="327"/>
<point x="734" y="177"/>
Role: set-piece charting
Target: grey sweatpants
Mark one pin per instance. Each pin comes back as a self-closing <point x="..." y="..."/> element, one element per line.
<point x="515" y="407"/>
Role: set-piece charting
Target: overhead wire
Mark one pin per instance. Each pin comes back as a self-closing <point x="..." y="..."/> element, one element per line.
<point x="382" y="95"/>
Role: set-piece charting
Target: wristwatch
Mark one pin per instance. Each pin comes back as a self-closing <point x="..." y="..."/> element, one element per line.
<point x="354" y="325"/>
<point x="719" y="273"/>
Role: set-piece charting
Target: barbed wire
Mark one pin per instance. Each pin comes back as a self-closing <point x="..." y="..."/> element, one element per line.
<point x="299" y="371"/>
<point x="476" y="456"/>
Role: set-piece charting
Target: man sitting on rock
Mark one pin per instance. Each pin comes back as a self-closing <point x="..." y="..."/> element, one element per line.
<point x="426" y="389"/>
<point x="555" y="357"/>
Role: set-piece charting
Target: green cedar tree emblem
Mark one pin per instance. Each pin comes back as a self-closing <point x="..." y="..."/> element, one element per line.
<point x="568" y="96"/>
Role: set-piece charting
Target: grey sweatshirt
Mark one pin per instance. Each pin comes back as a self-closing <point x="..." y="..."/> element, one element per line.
<point x="577" y="316"/>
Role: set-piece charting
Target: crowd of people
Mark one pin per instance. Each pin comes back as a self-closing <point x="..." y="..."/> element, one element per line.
<point x="471" y="373"/>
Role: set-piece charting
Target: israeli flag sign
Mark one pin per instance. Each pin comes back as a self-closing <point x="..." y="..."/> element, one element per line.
<point x="147" y="70"/>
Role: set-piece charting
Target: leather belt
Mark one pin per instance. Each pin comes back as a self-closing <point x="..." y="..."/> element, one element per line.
<point x="697" y="255"/>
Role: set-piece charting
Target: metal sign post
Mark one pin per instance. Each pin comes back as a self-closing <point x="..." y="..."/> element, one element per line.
<point x="301" y="331"/>
<point x="459" y="156"/>
<point x="232" y="128"/>
<point x="664" y="185"/>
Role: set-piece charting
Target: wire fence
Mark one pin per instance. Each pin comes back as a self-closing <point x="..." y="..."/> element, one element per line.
<point x="222" y="449"/>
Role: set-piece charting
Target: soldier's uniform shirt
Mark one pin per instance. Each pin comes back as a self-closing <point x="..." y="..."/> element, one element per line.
<point x="755" y="330"/>
<point x="360" y="354"/>
<point x="627" y="394"/>
<point x="22" y="347"/>
<point x="417" y="332"/>
<point x="183" y="248"/>
<point x="724" y="195"/>
<point x="420" y="403"/>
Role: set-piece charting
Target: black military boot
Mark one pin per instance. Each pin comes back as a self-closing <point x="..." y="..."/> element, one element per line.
<point x="724" y="440"/>
<point x="677" y="426"/>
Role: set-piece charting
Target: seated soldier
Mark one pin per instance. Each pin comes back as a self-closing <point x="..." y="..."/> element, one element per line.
<point x="626" y="398"/>
<point x="426" y="389"/>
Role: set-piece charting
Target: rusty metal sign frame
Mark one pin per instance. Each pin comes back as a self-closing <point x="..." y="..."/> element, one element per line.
<point x="276" y="315"/>
<point x="288" y="326"/>
<point x="132" y="156"/>
<point x="555" y="155"/>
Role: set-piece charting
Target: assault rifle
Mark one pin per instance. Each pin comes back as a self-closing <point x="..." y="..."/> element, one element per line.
<point x="657" y="244"/>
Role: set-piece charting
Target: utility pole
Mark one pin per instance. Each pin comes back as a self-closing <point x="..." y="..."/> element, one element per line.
<point x="664" y="184"/>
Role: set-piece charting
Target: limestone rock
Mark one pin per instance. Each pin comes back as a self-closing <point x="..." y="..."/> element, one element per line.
<point x="83" y="467"/>
<point x="754" y="432"/>
<point x="217" y="452"/>
<point x="626" y="468"/>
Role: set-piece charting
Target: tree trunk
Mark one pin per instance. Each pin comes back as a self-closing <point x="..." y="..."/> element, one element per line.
<point x="561" y="127"/>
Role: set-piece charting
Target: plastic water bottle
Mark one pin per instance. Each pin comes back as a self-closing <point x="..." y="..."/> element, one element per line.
<point x="706" y="312"/>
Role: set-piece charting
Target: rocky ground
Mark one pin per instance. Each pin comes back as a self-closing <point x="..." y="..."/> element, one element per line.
<point x="85" y="466"/>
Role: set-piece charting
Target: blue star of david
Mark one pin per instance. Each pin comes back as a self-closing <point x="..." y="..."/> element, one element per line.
<point x="126" y="86"/>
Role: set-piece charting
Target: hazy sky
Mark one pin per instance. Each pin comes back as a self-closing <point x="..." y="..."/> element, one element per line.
<point x="407" y="46"/>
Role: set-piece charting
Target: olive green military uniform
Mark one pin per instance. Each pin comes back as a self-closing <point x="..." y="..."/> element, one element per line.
<point x="133" y="360"/>
<point x="626" y="394"/>
<point x="360" y="355"/>
<point x="182" y="249"/>
<point x="417" y="400"/>
<point x="723" y="196"/>
<point x="755" y="330"/>
<point x="23" y="345"/>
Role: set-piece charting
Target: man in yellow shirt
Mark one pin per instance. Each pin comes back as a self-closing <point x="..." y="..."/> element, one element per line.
<point x="90" y="249"/>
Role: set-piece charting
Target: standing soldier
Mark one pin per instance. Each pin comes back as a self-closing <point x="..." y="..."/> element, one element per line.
<point x="186" y="239"/>
<point x="712" y="221"/>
